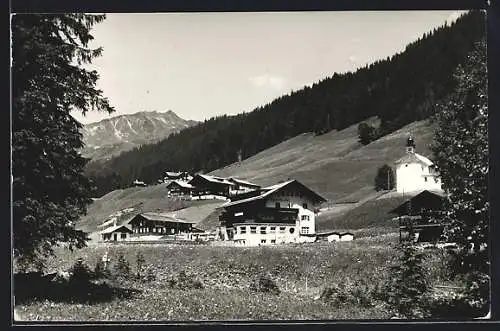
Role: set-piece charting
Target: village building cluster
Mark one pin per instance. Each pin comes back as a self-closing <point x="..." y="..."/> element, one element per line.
<point x="281" y="213"/>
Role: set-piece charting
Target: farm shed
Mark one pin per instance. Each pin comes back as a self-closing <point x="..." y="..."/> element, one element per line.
<point x="425" y="201"/>
<point x="159" y="223"/>
<point x="348" y="236"/>
<point x="333" y="237"/>
<point x="116" y="233"/>
<point x="415" y="213"/>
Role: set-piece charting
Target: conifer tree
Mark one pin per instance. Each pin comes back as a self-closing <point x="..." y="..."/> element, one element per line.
<point x="50" y="192"/>
<point x="461" y="153"/>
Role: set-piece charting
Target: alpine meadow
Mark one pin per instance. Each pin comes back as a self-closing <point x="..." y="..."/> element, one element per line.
<point x="281" y="166"/>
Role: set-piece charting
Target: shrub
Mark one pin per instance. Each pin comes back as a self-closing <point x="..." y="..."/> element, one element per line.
<point x="100" y="271"/>
<point x="80" y="273"/>
<point x="122" y="268"/>
<point x="140" y="263"/>
<point x="265" y="284"/>
<point x="385" y="179"/>
<point x="356" y="293"/>
<point x="366" y="133"/>
<point x="407" y="291"/>
<point x="184" y="281"/>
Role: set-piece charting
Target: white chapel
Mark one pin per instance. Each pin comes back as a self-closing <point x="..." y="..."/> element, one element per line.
<point x="415" y="172"/>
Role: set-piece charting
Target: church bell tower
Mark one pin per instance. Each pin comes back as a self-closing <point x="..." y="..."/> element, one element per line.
<point x="410" y="145"/>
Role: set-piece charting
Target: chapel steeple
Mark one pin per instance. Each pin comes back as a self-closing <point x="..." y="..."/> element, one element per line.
<point x="410" y="145"/>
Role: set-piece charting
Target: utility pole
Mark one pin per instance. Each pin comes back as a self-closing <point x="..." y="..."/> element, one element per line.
<point x="388" y="171"/>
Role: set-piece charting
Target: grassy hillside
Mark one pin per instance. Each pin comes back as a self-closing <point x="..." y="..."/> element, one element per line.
<point x="143" y="199"/>
<point x="335" y="164"/>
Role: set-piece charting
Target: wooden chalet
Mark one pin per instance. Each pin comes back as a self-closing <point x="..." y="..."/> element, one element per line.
<point x="211" y="185"/>
<point x="139" y="183"/>
<point x="178" y="187"/>
<point x="415" y="214"/>
<point x="241" y="186"/>
<point x="159" y="223"/>
<point x="116" y="233"/>
<point x="275" y="214"/>
<point x="181" y="175"/>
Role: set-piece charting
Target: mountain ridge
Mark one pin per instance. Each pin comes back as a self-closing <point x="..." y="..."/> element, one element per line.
<point x="112" y="136"/>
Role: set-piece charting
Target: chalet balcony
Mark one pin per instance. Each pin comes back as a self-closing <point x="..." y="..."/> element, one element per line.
<point x="263" y="215"/>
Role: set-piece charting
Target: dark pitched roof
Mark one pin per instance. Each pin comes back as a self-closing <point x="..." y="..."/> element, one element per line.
<point x="162" y="217"/>
<point x="432" y="200"/>
<point x="267" y="191"/>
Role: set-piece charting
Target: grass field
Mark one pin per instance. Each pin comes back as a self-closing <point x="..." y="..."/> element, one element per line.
<point x="301" y="272"/>
<point x="334" y="164"/>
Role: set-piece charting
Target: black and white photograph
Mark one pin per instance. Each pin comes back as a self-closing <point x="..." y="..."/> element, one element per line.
<point x="177" y="167"/>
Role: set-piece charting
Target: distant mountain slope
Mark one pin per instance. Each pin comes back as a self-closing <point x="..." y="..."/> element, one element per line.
<point x="398" y="90"/>
<point x="335" y="164"/>
<point x="112" y="136"/>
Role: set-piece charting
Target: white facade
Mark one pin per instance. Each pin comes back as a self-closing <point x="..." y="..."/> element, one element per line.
<point x="415" y="172"/>
<point x="306" y="223"/>
<point x="255" y="234"/>
<point x="264" y="229"/>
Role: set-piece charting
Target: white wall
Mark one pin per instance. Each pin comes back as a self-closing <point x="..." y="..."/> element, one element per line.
<point x="254" y="239"/>
<point x="411" y="177"/>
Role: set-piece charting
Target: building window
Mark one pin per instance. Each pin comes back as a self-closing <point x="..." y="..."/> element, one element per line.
<point x="425" y="178"/>
<point x="253" y="229"/>
<point x="273" y="241"/>
<point x="304" y="205"/>
<point x="304" y="230"/>
<point x="304" y="217"/>
<point x="292" y="230"/>
<point x="277" y="205"/>
<point x="263" y="241"/>
<point x="272" y="229"/>
<point x="262" y="230"/>
<point x="123" y="235"/>
<point x="243" y="229"/>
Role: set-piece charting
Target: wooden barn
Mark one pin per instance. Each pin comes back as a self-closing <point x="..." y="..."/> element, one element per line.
<point x="414" y="216"/>
<point x="211" y="185"/>
<point x="159" y="223"/>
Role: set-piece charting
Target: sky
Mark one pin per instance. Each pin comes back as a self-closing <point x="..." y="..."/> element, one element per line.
<point x="200" y="65"/>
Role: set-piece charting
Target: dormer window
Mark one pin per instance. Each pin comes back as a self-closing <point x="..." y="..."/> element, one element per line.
<point x="277" y="205"/>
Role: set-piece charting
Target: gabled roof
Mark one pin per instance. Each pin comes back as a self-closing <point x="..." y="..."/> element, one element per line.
<point x="215" y="179"/>
<point x="180" y="183"/>
<point x="243" y="182"/>
<point x="426" y="198"/>
<point x="272" y="189"/>
<point x="162" y="217"/>
<point x="414" y="158"/>
<point x="171" y="173"/>
<point x="112" y="229"/>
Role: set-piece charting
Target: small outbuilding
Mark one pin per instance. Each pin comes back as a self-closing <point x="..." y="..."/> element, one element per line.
<point x="348" y="236"/>
<point x="116" y="233"/>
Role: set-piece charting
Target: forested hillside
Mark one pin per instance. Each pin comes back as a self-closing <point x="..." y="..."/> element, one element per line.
<point x="398" y="90"/>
